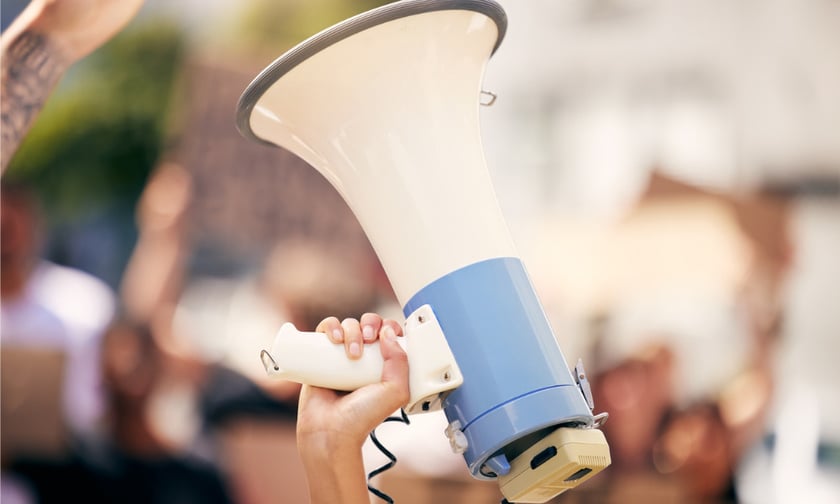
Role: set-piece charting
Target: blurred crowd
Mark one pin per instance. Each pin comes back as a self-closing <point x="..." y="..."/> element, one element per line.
<point x="155" y="393"/>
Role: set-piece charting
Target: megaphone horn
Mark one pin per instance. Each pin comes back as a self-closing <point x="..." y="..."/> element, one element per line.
<point x="385" y="105"/>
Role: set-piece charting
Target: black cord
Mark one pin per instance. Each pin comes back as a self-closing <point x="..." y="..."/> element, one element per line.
<point x="392" y="460"/>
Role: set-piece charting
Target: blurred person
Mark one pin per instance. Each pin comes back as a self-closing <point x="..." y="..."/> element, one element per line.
<point x="700" y="445"/>
<point x="301" y="281"/>
<point x="202" y="397"/>
<point x="687" y="446"/>
<point x="213" y="329"/>
<point x="637" y="390"/>
<point x="48" y="306"/>
<point x="142" y="463"/>
<point x="136" y="464"/>
<point x="331" y="426"/>
<point x="132" y="459"/>
<point x="694" y="447"/>
<point x="638" y="393"/>
<point x="37" y="48"/>
<point x="153" y="277"/>
<point x="52" y="319"/>
<point x="703" y="443"/>
<point x="45" y="40"/>
<point x="223" y="324"/>
<point x="45" y="304"/>
<point x="665" y="449"/>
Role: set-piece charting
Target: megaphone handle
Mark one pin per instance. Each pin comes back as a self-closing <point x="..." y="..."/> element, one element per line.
<point x="311" y="358"/>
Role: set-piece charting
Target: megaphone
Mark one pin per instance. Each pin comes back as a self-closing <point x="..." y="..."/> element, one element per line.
<point x="385" y="105"/>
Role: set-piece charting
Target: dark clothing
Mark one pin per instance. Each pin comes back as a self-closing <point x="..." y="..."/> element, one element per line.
<point x="228" y="395"/>
<point x="98" y="472"/>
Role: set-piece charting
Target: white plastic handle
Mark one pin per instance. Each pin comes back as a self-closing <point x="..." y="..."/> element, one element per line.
<point x="311" y="358"/>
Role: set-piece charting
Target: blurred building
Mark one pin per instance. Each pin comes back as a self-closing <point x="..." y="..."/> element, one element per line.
<point x="248" y="196"/>
<point x="593" y="94"/>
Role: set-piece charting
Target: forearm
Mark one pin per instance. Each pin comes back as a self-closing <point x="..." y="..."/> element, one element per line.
<point x="39" y="45"/>
<point x="32" y="65"/>
<point x="335" y="475"/>
<point x="154" y="274"/>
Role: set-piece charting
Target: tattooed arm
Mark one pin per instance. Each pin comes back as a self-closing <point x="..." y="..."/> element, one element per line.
<point x="31" y="68"/>
<point x="37" y="48"/>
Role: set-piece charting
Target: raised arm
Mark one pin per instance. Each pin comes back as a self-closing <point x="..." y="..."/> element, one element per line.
<point x="39" y="46"/>
<point x="332" y="426"/>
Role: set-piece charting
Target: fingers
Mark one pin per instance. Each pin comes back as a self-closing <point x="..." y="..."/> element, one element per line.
<point x="332" y="328"/>
<point x="352" y="337"/>
<point x="353" y="415"/>
<point x="394" y="325"/>
<point x="371" y="324"/>
<point x="355" y="333"/>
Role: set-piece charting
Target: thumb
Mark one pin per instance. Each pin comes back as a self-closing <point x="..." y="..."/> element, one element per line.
<point x="395" y="366"/>
<point x="372" y="403"/>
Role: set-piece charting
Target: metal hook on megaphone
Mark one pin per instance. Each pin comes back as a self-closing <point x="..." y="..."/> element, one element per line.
<point x="491" y="98"/>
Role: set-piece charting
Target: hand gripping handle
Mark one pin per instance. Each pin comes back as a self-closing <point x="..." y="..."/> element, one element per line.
<point x="311" y="358"/>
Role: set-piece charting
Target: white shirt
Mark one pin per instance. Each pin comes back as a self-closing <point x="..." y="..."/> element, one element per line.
<point x="64" y="309"/>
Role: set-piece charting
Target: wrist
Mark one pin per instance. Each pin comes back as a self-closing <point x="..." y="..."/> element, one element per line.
<point x="334" y="472"/>
<point x="319" y="446"/>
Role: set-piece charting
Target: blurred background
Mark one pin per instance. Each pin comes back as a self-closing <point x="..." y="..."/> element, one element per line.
<point x="670" y="171"/>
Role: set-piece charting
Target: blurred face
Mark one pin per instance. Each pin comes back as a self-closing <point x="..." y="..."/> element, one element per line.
<point x="623" y="392"/>
<point x="129" y="363"/>
<point x="18" y="241"/>
<point x="636" y="393"/>
<point x="694" y="447"/>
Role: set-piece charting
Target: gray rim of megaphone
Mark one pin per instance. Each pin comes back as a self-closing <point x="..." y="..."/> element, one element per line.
<point x="345" y="29"/>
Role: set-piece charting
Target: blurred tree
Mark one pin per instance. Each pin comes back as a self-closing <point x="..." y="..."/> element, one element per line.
<point x="101" y="133"/>
<point x="276" y="26"/>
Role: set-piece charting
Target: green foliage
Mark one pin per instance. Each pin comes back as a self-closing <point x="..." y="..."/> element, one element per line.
<point x="99" y="136"/>
<point x="273" y="25"/>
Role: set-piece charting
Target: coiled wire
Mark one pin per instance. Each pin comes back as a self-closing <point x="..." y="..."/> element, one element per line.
<point x="392" y="459"/>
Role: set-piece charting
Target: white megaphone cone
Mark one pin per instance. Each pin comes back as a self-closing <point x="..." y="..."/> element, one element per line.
<point x="386" y="106"/>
